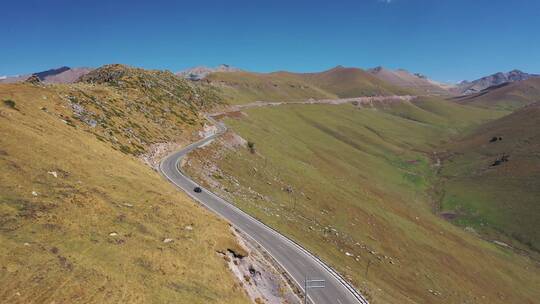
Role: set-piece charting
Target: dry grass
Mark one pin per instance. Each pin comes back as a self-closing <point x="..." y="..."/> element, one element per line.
<point x="95" y="232"/>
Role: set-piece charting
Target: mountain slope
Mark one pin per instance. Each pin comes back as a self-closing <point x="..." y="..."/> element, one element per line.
<point x="339" y="82"/>
<point x="83" y="223"/>
<point x="245" y="87"/>
<point x="404" y="79"/>
<point x="508" y="96"/>
<point x="496" y="79"/>
<point x="352" y="184"/>
<point x="497" y="198"/>
<point x="352" y="82"/>
<point x="132" y="108"/>
<point x="69" y="76"/>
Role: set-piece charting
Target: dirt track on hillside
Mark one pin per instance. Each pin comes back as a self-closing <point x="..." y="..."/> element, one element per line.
<point x="357" y="101"/>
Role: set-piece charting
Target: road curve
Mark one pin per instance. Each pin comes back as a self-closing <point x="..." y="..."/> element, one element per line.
<point x="293" y="258"/>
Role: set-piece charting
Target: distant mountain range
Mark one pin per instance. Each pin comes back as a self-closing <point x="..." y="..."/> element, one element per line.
<point x="58" y="75"/>
<point x="200" y="72"/>
<point x="476" y="86"/>
<point x="355" y="78"/>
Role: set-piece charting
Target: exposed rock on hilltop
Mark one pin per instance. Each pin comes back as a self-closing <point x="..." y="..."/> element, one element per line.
<point x="417" y="82"/>
<point x="57" y="75"/>
<point x="156" y="85"/>
<point x="471" y="87"/>
<point x="200" y="72"/>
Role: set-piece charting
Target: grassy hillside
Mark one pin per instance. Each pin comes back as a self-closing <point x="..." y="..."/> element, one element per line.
<point x="244" y="87"/>
<point x="132" y="108"/>
<point x="352" y="82"/>
<point x="351" y="184"/>
<point x="509" y="96"/>
<point x="501" y="200"/>
<point x="83" y="223"/>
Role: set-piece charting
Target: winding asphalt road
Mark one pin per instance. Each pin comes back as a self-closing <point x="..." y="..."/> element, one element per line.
<point x="297" y="261"/>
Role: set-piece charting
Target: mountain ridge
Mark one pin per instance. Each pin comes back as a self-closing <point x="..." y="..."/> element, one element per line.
<point x="506" y="96"/>
<point x="63" y="74"/>
<point x="471" y="87"/>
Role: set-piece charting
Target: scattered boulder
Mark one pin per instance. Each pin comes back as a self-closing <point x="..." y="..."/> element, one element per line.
<point x="53" y="173"/>
<point x="167" y="240"/>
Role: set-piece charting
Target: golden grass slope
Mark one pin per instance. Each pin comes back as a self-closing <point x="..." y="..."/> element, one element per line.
<point x="83" y="223"/>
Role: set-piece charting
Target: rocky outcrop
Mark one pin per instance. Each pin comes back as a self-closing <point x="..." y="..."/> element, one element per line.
<point x="259" y="274"/>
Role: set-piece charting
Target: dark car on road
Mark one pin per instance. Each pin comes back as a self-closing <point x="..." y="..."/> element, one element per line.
<point x="197" y="189"/>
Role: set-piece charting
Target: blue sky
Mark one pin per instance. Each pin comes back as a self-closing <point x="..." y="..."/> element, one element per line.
<point x="444" y="39"/>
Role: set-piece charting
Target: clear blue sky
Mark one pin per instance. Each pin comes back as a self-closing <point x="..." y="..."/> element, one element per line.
<point x="447" y="40"/>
